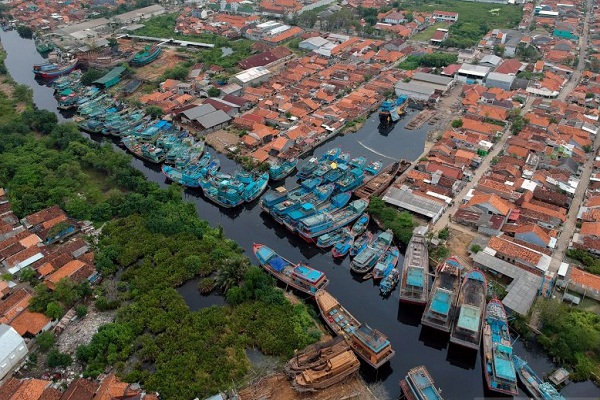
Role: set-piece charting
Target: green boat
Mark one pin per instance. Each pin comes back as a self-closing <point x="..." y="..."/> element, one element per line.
<point x="146" y="56"/>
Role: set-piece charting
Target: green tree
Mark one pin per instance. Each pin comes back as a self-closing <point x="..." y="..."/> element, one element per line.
<point x="23" y="93"/>
<point x="54" y="310"/>
<point x="25" y="31"/>
<point x="231" y="272"/>
<point x="45" y="340"/>
<point x="81" y="310"/>
<point x="28" y="275"/>
<point x="58" y="359"/>
<point x="213" y="92"/>
<point x="91" y="75"/>
<point x="154" y="111"/>
<point x="457" y="123"/>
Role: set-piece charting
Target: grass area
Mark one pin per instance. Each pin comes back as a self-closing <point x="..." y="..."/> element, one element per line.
<point x="426" y="34"/>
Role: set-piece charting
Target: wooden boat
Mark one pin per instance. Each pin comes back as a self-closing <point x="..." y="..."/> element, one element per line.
<point x="497" y="354"/>
<point x="341" y="248"/>
<point x="369" y="344"/>
<point x="387" y="284"/>
<point x="360" y="226"/>
<point x="311" y="227"/>
<point x="466" y="330"/>
<point x="315" y="356"/>
<point x="418" y="385"/>
<point x="386" y="263"/>
<point x="299" y="276"/>
<point x="361" y="243"/>
<point x="337" y="368"/>
<point x="332" y="238"/>
<point x="282" y="168"/>
<point x="145" y="56"/>
<point x="414" y="284"/>
<point x="536" y="387"/>
<point x="381" y="181"/>
<point x="439" y="312"/>
<point x="366" y="259"/>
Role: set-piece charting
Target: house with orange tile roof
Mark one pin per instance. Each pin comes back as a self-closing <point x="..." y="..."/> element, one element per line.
<point x="69" y="270"/>
<point x="14" y="304"/>
<point x="534" y="234"/>
<point x="30" y="324"/>
<point x="518" y="254"/>
<point x="42" y="216"/>
<point x="25" y="389"/>
<point x="489" y="186"/>
<point x="584" y="282"/>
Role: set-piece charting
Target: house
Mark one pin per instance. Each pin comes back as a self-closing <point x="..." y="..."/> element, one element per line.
<point x="439" y="36"/>
<point x="511" y="67"/>
<point x="14" y="304"/>
<point x="76" y="270"/>
<point x="470" y="74"/>
<point x="30" y="324"/>
<point x="499" y="80"/>
<point x="13" y="350"/>
<point x="518" y="254"/>
<point x="534" y="234"/>
<point x="444" y="16"/>
<point x="490" y="60"/>
<point x="394" y="18"/>
<point x="485" y="212"/>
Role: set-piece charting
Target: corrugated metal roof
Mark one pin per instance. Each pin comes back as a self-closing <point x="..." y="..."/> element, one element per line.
<point x="9" y="341"/>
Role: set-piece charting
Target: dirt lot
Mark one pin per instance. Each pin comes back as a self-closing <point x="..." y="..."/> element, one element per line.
<point x="167" y="60"/>
<point x="278" y="386"/>
<point x="81" y="331"/>
<point x="458" y="244"/>
<point x="221" y="140"/>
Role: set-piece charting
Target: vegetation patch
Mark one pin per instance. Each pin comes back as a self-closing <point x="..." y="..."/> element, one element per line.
<point x="400" y="222"/>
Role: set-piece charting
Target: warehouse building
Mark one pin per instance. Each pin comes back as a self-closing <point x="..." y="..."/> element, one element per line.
<point x="252" y="76"/>
<point x="13" y="350"/>
<point x="471" y="74"/>
<point x="440" y="83"/>
<point x="415" y="91"/>
<point x="498" y="80"/>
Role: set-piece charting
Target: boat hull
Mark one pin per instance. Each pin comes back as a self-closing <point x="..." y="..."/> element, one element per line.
<point x="56" y="73"/>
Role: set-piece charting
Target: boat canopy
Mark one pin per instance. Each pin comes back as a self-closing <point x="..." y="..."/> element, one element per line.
<point x="278" y="264"/>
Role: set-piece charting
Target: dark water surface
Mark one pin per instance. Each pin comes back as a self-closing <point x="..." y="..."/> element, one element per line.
<point x="455" y="370"/>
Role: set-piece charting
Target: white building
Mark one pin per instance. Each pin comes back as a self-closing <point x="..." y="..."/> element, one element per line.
<point x="498" y="80"/>
<point x="251" y="76"/>
<point x="470" y="74"/>
<point x="445" y="16"/>
<point x="415" y="91"/>
<point x="13" y="350"/>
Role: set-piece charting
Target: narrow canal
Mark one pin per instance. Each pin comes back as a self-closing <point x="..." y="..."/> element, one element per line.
<point x="455" y="370"/>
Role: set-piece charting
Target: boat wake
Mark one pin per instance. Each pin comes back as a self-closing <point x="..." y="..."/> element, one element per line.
<point x="374" y="151"/>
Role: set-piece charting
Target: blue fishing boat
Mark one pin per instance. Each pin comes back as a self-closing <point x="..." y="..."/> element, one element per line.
<point x="299" y="276"/>
<point x="190" y="175"/>
<point x="439" y="312"/>
<point x="358" y="162"/>
<point x="54" y="70"/>
<point x="414" y="285"/>
<point x="304" y="203"/>
<point x="145" y="56"/>
<point x="537" y="388"/>
<point x="387" y="284"/>
<point x="320" y="203"/>
<point x="366" y="259"/>
<point x="341" y="248"/>
<point x="226" y="193"/>
<point x="374" y="167"/>
<point x="212" y="167"/>
<point x="386" y="263"/>
<point x="418" y="385"/>
<point x="279" y="195"/>
<point x="361" y="225"/>
<point x="336" y="172"/>
<point x="331" y="154"/>
<point x="307" y="169"/>
<point x="351" y="180"/>
<point x="331" y="238"/>
<point x="314" y="226"/>
<point x="466" y="330"/>
<point x="390" y="111"/>
<point x="361" y="243"/>
<point x="255" y="188"/>
<point x="282" y="168"/>
<point x="145" y="151"/>
<point x="497" y="354"/>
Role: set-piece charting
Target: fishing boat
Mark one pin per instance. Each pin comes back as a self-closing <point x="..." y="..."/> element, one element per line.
<point x="331" y="238"/>
<point x="361" y="225"/>
<point x="282" y="168"/>
<point x="369" y="344"/>
<point x="307" y="169"/>
<point x="497" y="354"/>
<point x="388" y="113"/>
<point x="314" y="207"/>
<point x="466" y="330"/>
<point x="212" y="167"/>
<point x="351" y="180"/>
<point x="341" y="248"/>
<point x="336" y="172"/>
<point x="299" y="276"/>
<point x="190" y="175"/>
<point x="374" y="168"/>
<point x="54" y="70"/>
<point x="387" y="284"/>
<point x="335" y="370"/>
<point x="280" y="194"/>
<point x="376" y="185"/>
<point x="300" y="205"/>
<point x="418" y="385"/>
<point x="361" y="243"/>
<point x="439" y="312"/>
<point x="314" y="226"/>
<point x="537" y="388"/>
<point x="255" y="188"/>
<point x="366" y="259"/>
<point x="145" y="151"/>
<point x="358" y="162"/>
<point x="414" y="285"/>
<point x="386" y="263"/>
<point x="145" y="56"/>
<point x="226" y="193"/>
<point x="315" y="356"/>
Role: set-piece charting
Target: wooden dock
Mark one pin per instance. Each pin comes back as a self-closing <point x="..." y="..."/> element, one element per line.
<point x="420" y="119"/>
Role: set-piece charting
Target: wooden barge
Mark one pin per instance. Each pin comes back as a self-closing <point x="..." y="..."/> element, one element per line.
<point x="381" y="181"/>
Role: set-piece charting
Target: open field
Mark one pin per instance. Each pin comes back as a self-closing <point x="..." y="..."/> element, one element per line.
<point x="426" y="34"/>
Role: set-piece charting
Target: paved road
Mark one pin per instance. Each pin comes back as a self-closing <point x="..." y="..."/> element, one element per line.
<point x="569" y="226"/>
<point x="445" y="218"/>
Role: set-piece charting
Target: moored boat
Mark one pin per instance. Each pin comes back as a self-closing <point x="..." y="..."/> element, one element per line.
<point x="466" y="330"/>
<point x="54" y="70"/>
<point x="388" y="113"/>
<point x="536" y="387"/>
<point x="387" y="284"/>
<point x="307" y="169"/>
<point x="497" y="354"/>
<point x="145" y="151"/>
<point x="361" y="243"/>
<point x="226" y="193"/>
<point x="315" y="356"/>
<point x="418" y="385"/>
<point x="331" y="238"/>
<point x="282" y="168"/>
<point x="342" y="248"/>
<point x="369" y="344"/>
<point x="299" y="276"/>
<point x="366" y="259"/>
<point x="311" y="227"/>
<point x="376" y="185"/>
<point x="414" y="284"/>
<point x="361" y="224"/>
<point x="439" y="312"/>
<point x="255" y="188"/>
<point x="386" y="263"/>
<point x="335" y="370"/>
